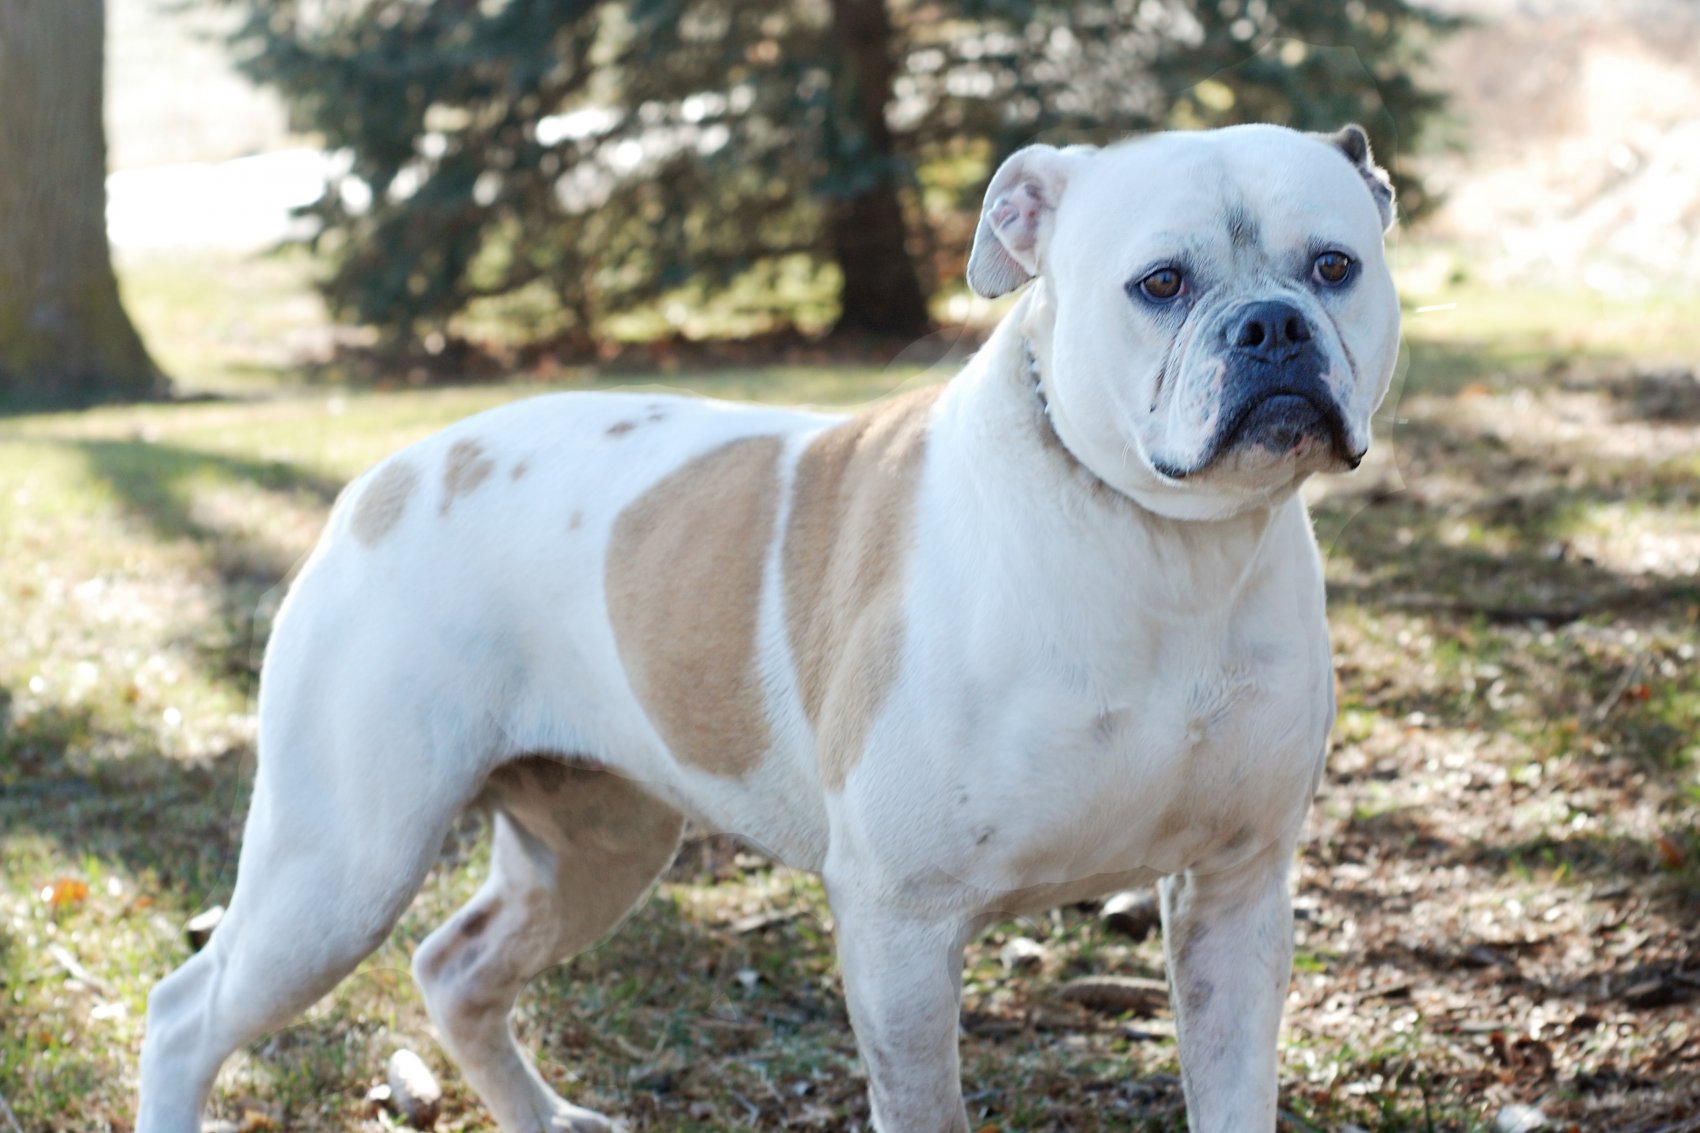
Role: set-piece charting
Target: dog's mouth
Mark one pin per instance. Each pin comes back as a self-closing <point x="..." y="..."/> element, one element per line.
<point x="1283" y="421"/>
<point x="1296" y="422"/>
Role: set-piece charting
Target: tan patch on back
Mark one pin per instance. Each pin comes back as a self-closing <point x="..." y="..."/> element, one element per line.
<point x="465" y="469"/>
<point x="383" y="500"/>
<point x="684" y="576"/>
<point x="846" y="550"/>
<point x="621" y="428"/>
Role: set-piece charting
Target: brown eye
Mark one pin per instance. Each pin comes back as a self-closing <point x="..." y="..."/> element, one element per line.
<point x="1332" y="268"/>
<point x="1162" y="285"/>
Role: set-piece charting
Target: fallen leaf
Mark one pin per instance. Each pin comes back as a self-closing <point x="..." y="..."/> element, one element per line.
<point x="65" y="891"/>
<point x="1670" y="854"/>
<point x="258" y="1121"/>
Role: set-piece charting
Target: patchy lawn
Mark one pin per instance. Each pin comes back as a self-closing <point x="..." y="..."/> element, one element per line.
<point x="1497" y="901"/>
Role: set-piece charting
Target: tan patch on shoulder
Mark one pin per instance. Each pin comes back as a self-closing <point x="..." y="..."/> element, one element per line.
<point x="684" y="577"/>
<point x="465" y="469"/>
<point x="383" y="500"/>
<point x="847" y="545"/>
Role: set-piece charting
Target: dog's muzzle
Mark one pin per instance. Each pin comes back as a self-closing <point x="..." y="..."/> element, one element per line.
<point x="1274" y="396"/>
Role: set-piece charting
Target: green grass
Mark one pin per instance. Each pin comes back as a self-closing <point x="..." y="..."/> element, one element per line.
<point x="1517" y="641"/>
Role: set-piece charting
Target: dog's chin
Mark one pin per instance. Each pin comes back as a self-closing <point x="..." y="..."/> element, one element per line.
<point x="1291" y="428"/>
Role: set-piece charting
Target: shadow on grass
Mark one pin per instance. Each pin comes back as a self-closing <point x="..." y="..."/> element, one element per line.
<point x="1446" y="366"/>
<point x="94" y="791"/>
<point x="1671" y="395"/>
<point x="155" y="482"/>
<point x="1503" y="554"/>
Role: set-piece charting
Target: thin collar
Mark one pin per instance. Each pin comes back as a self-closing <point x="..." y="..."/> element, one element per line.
<point x="1053" y="439"/>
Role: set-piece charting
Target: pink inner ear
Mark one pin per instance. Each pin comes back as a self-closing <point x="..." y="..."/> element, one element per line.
<point x="1016" y="215"/>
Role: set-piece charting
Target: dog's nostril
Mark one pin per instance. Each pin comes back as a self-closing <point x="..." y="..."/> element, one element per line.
<point x="1269" y="326"/>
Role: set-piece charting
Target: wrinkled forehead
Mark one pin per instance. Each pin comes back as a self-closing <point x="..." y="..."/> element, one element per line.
<point x="1243" y="192"/>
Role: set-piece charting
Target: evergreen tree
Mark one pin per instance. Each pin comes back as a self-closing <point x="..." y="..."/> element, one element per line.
<point x="585" y="160"/>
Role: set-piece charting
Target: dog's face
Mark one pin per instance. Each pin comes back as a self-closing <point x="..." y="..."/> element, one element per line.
<point x="1215" y="319"/>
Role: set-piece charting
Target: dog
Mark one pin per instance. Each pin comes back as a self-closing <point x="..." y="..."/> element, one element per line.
<point x="1052" y="629"/>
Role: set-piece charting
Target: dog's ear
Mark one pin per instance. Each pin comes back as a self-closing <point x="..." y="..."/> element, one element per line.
<point x="1354" y="143"/>
<point x="1021" y="203"/>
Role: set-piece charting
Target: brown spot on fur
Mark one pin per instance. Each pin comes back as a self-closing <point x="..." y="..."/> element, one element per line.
<point x="1173" y="822"/>
<point x="576" y="522"/>
<point x="846" y="548"/>
<point x="684" y="577"/>
<point x="621" y="428"/>
<point x="1196" y="931"/>
<point x="520" y="469"/>
<point x="383" y="500"/>
<point x="465" y="469"/>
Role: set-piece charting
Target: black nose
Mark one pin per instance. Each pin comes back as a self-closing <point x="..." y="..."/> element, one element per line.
<point x="1270" y="331"/>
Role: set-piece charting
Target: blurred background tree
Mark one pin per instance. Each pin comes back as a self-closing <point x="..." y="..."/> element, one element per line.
<point x="64" y="334"/>
<point x="583" y="169"/>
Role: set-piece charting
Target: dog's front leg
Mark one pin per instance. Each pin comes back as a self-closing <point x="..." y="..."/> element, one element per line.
<point x="1229" y="941"/>
<point x="903" y="980"/>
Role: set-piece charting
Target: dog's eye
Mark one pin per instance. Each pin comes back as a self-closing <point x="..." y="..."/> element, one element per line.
<point x="1331" y="268"/>
<point x="1162" y="285"/>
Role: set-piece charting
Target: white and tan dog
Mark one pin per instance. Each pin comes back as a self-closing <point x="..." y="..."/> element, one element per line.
<point x="1052" y="629"/>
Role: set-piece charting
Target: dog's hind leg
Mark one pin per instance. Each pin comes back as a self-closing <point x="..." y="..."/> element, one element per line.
<point x="357" y="783"/>
<point x="574" y="850"/>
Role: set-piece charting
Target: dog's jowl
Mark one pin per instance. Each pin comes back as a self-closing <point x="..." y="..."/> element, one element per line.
<point x="1051" y="629"/>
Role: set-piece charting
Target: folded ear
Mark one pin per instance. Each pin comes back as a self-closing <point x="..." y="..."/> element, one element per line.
<point x="1354" y="143"/>
<point x="1021" y="204"/>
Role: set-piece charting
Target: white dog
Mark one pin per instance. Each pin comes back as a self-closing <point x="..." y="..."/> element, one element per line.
<point x="1052" y="629"/>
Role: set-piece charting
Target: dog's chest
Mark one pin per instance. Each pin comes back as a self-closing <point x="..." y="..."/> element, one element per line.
<point x="1209" y="754"/>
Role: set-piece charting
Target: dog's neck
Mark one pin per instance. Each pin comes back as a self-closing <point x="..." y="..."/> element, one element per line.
<point x="1015" y="456"/>
<point x="1048" y="427"/>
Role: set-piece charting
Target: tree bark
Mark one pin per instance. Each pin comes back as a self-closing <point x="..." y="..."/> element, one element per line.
<point x="64" y="334"/>
<point x="882" y="292"/>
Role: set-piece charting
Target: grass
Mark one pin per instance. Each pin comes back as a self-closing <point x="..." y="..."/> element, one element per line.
<point x="1504" y="849"/>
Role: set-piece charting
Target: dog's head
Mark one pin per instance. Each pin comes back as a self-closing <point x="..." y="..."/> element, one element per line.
<point x="1214" y="319"/>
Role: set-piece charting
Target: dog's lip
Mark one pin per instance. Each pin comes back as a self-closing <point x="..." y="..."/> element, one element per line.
<point x="1225" y="438"/>
<point x="1325" y="408"/>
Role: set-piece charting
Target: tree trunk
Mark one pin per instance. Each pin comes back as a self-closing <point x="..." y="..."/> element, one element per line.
<point x="64" y="335"/>
<point x="882" y="293"/>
